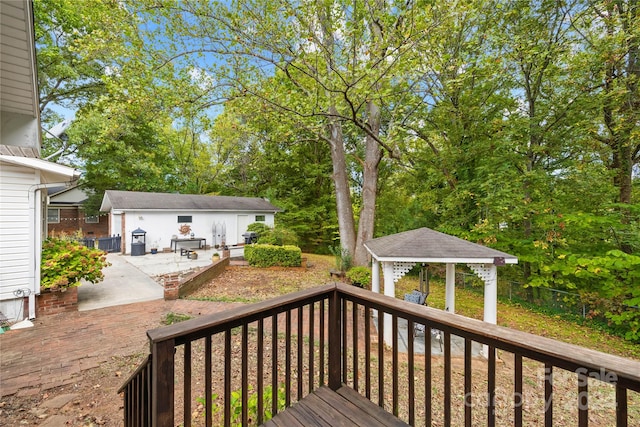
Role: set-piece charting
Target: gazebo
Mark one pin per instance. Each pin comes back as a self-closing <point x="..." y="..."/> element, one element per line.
<point x="399" y="253"/>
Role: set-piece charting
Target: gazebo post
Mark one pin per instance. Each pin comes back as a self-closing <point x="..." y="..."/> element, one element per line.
<point x="450" y="289"/>
<point x="375" y="276"/>
<point x="389" y="290"/>
<point x="491" y="295"/>
<point x="375" y="281"/>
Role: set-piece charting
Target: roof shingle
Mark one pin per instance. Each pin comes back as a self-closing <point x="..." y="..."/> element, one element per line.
<point x="425" y="243"/>
<point x="138" y="200"/>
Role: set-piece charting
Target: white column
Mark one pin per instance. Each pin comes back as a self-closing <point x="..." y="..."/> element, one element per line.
<point x="389" y="290"/>
<point x="450" y="289"/>
<point x="375" y="281"/>
<point x="375" y="276"/>
<point x="491" y="295"/>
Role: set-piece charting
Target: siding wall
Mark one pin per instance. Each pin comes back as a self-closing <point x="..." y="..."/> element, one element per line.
<point x="161" y="226"/>
<point x="17" y="235"/>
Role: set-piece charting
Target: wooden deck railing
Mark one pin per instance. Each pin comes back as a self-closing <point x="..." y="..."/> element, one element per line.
<point x="243" y="365"/>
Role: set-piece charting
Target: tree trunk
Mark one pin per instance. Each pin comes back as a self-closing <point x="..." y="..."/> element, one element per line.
<point x="344" y="207"/>
<point x="373" y="155"/>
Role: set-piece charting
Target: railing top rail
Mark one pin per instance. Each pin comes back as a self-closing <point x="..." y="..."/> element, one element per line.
<point x="206" y="325"/>
<point x="561" y="354"/>
<point x="146" y="362"/>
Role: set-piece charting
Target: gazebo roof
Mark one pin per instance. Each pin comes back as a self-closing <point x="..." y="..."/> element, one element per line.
<point x="427" y="245"/>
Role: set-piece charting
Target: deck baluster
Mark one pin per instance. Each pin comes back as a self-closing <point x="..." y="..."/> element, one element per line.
<point x="300" y="348"/>
<point x="468" y="398"/>
<point x="367" y="351"/>
<point x="583" y="400"/>
<point x="245" y="373"/>
<point x="227" y="378"/>
<point x="149" y="394"/>
<point x="260" y="370"/>
<point x="274" y="364"/>
<point x="207" y="383"/>
<point x="354" y="334"/>
<point x="491" y="388"/>
<point x="410" y="374"/>
<point x="287" y="360"/>
<point x="621" y="406"/>
<point x="394" y="364"/>
<point x="447" y="379"/>
<point x="518" y="397"/>
<point x="312" y="339"/>
<point x="548" y="395"/>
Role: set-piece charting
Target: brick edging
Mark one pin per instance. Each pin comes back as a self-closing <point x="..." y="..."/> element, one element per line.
<point x="55" y="302"/>
<point x="176" y="287"/>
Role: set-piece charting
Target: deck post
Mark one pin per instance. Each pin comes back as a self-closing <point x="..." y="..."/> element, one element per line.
<point x="335" y="342"/>
<point x="162" y="393"/>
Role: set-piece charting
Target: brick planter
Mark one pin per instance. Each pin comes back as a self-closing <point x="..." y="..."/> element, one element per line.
<point x="54" y="302"/>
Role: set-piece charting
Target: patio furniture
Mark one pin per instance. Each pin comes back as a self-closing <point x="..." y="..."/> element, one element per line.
<point x="420" y="298"/>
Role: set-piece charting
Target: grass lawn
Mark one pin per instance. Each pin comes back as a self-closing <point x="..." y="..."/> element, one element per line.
<point x="512" y="315"/>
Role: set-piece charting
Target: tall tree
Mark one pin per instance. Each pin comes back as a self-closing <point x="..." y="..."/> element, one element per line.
<point x="332" y="62"/>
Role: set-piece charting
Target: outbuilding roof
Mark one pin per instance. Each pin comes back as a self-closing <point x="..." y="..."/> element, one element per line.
<point x="138" y="200"/>
<point x="427" y="245"/>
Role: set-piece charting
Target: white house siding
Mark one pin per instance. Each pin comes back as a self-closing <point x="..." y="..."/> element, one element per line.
<point x="161" y="225"/>
<point x="17" y="237"/>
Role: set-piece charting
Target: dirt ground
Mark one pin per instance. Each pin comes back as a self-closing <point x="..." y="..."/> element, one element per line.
<point x="94" y="401"/>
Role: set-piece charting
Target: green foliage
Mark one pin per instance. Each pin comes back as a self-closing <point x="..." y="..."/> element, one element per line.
<point x="172" y="318"/>
<point x="359" y="276"/>
<point x="342" y="257"/>
<point x="261" y="255"/>
<point x="259" y="227"/>
<point x="278" y="236"/>
<point x="66" y="262"/>
<point x="252" y="405"/>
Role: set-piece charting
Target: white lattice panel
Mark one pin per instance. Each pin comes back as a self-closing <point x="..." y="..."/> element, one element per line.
<point x="485" y="272"/>
<point x="400" y="269"/>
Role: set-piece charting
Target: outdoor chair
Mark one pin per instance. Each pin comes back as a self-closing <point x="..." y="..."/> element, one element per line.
<point x="420" y="298"/>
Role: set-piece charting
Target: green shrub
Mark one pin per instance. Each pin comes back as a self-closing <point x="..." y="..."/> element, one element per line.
<point x="252" y="404"/>
<point x="259" y="228"/>
<point x="65" y="262"/>
<point x="359" y="276"/>
<point x="278" y="236"/>
<point x="342" y="257"/>
<point x="260" y="255"/>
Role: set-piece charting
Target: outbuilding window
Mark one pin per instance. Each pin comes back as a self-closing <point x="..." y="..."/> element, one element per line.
<point x="185" y="218"/>
<point x="92" y="219"/>
<point x="53" y="216"/>
<point x="260" y="218"/>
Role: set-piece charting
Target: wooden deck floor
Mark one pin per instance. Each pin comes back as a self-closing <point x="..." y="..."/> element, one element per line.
<point x="327" y="408"/>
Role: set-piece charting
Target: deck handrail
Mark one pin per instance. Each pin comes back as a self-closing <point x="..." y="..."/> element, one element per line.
<point x="350" y="311"/>
<point x="561" y="354"/>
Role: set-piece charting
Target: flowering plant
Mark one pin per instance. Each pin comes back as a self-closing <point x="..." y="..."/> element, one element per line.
<point x="66" y="262"/>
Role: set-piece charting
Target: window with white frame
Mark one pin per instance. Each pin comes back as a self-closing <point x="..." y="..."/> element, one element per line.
<point x="91" y="219"/>
<point x="260" y="218"/>
<point x="53" y="216"/>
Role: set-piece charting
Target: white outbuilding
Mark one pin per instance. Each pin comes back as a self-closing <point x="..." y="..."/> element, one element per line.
<point x="170" y="220"/>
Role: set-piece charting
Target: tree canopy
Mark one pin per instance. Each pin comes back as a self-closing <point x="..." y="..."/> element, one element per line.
<point x="509" y="123"/>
